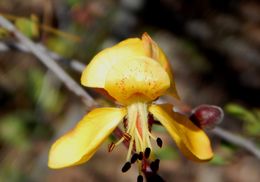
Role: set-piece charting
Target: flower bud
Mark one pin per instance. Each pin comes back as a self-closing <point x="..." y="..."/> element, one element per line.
<point x="206" y="116"/>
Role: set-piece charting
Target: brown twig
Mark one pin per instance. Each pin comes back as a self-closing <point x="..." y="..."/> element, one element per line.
<point x="18" y="46"/>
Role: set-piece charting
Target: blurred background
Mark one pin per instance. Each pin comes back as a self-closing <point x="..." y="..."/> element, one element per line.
<point x="213" y="46"/>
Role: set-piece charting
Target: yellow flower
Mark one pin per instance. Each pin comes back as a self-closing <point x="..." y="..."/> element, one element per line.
<point x="135" y="72"/>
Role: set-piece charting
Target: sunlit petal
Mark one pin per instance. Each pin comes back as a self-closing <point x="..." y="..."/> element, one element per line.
<point x="191" y="140"/>
<point x="137" y="78"/>
<point x="155" y="52"/>
<point x="78" y="145"/>
<point x="95" y="73"/>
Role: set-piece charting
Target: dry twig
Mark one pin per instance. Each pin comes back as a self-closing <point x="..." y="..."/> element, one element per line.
<point x="49" y="62"/>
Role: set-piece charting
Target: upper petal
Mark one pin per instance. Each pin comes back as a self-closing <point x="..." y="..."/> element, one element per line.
<point x="79" y="144"/>
<point x="191" y="140"/>
<point x="155" y="52"/>
<point x="94" y="75"/>
<point x="136" y="78"/>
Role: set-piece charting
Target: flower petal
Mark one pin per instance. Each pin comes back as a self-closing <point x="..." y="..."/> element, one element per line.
<point x="136" y="78"/>
<point x="155" y="52"/>
<point x="79" y="144"/>
<point x="191" y="140"/>
<point x="94" y="75"/>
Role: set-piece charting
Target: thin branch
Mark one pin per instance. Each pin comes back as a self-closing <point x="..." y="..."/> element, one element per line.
<point x="18" y="46"/>
<point x="237" y="140"/>
<point x="49" y="62"/>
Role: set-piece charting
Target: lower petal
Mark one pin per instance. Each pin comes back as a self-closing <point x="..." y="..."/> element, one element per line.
<point x="78" y="145"/>
<point x="192" y="141"/>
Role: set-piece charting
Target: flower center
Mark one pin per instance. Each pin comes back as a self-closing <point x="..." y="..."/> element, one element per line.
<point x="137" y="128"/>
<point x="138" y="137"/>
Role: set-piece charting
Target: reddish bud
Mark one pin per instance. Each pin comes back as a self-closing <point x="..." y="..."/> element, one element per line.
<point x="207" y="116"/>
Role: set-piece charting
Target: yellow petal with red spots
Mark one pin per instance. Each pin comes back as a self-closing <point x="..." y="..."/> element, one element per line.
<point x="155" y="52"/>
<point x="136" y="79"/>
<point x="94" y="75"/>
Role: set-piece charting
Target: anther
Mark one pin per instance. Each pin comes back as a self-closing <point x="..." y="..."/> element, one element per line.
<point x="127" y="136"/>
<point x="140" y="155"/>
<point x="125" y="123"/>
<point x="159" y="142"/>
<point x="126" y="167"/>
<point x="111" y="146"/>
<point x="140" y="178"/>
<point x="155" y="165"/>
<point x="147" y="152"/>
<point x="134" y="158"/>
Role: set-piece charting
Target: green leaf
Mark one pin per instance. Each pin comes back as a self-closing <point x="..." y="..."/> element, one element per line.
<point x="62" y="46"/>
<point x="29" y="27"/>
<point x="251" y="118"/>
<point x="240" y="112"/>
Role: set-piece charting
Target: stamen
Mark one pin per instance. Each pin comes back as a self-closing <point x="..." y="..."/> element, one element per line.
<point x="150" y="134"/>
<point x="140" y="178"/>
<point x="126" y="167"/>
<point x="140" y="155"/>
<point x="127" y="136"/>
<point x="134" y="158"/>
<point x="130" y="150"/>
<point x="119" y="141"/>
<point x="155" y="165"/>
<point x="159" y="142"/>
<point x="111" y="146"/>
<point x="125" y="122"/>
<point x="150" y="121"/>
<point x="147" y="152"/>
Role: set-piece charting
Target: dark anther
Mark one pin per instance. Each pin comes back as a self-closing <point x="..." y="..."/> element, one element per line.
<point x="126" y="167"/>
<point x="125" y="123"/>
<point x="152" y="176"/>
<point x="159" y="142"/>
<point x="140" y="155"/>
<point x="155" y="165"/>
<point x="111" y="146"/>
<point x="150" y="121"/>
<point x="127" y="136"/>
<point x="147" y="152"/>
<point x="140" y="178"/>
<point x="134" y="158"/>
